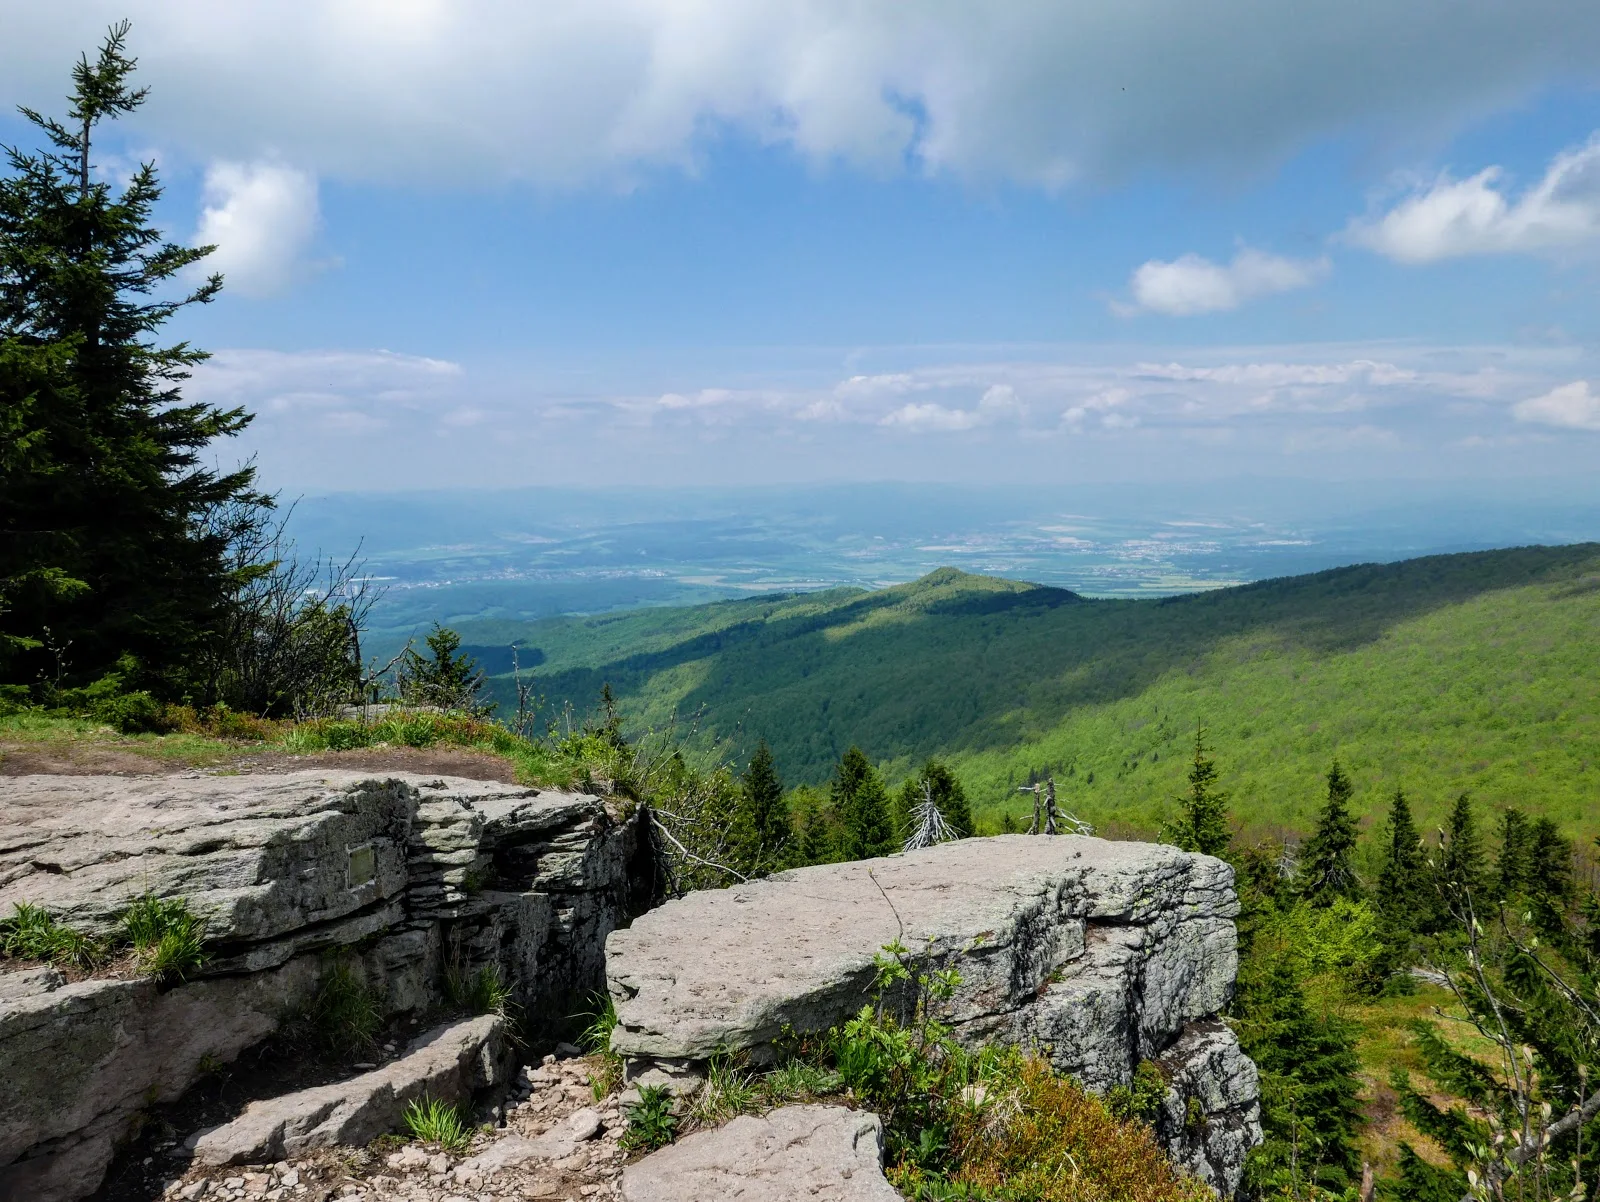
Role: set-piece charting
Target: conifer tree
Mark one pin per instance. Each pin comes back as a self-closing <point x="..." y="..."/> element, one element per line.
<point x="1309" y="1084"/>
<point x="449" y="678"/>
<point x="1402" y="881"/>
<point x="1511" y="865"/>
<point x="1202" y="825"/>
<point x="1549" y="863"/>
<point x="938" y="782"/>
<point x="1327" y="871"/>
<point x="862" y="805"/>
<point x="761" y="829"/>
<point x="104" y="548"/>
<point x="1460" y="866"/>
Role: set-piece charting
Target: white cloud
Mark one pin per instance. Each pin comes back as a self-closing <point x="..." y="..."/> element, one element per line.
<point x="1478" y="216"/>
<point x="1570" y="405"/>
<point x="261" y="218"/>
<point x="569" y="91"/>
<point x="998" y="403"/>
<point x="376" y="418"/>
<point x="1191" y="284"/>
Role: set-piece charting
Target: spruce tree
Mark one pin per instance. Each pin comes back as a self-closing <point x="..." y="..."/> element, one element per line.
<point x="761" y="829"/>
<point x="1402" y="881"/>
<point x="1460" y="867"/>
<point x="1327" y="871"/>
<point x="1202" y="825"/>
<point x="1309" y="1083"/>
<point x="862" y="805"/>
<point x="449" y="678"/>
<point x="937" y="781"/>
<point x="1549" y="863"/>
<point x="1511" y="866"/>
<point x="105" y="553"/>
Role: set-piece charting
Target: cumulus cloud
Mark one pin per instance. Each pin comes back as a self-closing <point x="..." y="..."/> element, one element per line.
<point x="1478" y="216"/>
<point x="998" y="403"/>
<point x="1570" y="405"/>
<point x="1035" y="91"/>
<point x="261" y="217"/>
<point x="1190" y="284"/>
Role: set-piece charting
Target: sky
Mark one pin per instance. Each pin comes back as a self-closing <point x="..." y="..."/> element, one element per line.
<point x="740" y="242"/>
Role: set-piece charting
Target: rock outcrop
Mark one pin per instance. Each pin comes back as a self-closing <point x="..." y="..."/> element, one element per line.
<point x="404" y="879"/>
<point x="454" y="1063"/>
<point x="1100" y="954"/>
<point x="824" y="1152"/>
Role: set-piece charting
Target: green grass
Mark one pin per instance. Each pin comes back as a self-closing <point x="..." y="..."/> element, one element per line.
<point x="435" y="1122"/>
<point x="31" y="934"/>
<point x="346" y="1015"/>
<point x="481" y="992"/>
<point x="1449" y="673"/>
<point x="166" y="938"/>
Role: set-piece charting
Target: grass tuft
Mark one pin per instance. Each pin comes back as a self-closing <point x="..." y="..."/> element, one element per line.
<point x="481" y="992"/>
<point x="167" y="939"/>
<point x="31" y="934"/>
<point x="345" y="1015"/>
<point x="438" y="1122"/>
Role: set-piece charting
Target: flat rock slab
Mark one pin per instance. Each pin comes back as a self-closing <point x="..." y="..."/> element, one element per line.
<point x="826" y="1153"/>
<point x="258" y="856"/>
<point x="731" y="968"/>
<point x="449" y="1063"/>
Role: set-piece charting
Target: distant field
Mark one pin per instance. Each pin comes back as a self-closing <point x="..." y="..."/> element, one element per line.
<point x="1459" y="672"/>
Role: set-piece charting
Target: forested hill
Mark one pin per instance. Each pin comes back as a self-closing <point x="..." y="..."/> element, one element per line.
<point x="1472" y="671"/>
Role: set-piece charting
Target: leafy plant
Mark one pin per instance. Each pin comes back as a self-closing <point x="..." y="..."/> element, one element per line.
<point x="1143" y="1097"/>
<point x="652" y="1122"/>
<point x="31" y="934"/>
<point x="167" y="939"/>
<point x="438" y="1122"/>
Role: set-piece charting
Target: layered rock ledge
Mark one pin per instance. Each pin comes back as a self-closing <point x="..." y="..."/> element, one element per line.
<point x="403" y="878"/>
<point x="1099" y="954"/>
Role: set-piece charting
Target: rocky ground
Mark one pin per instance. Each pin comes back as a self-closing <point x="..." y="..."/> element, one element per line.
<point x="552" y="1142"/>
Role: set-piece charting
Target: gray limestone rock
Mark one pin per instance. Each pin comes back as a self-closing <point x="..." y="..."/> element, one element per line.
<point x="451" y="1063"/>
<point x="400" y="876"/>
<point x="826" y="1153"/>
<point x="1098" y="954"/>
<point x="78" y="1062"/>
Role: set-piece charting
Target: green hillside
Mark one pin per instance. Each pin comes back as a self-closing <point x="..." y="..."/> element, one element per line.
<point x="1455" y="672"/>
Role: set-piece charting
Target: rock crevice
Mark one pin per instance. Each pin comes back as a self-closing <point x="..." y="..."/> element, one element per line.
<point x="403" y="878"/>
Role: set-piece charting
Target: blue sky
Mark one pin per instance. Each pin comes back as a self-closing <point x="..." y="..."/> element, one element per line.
<point x="718" y="242"/>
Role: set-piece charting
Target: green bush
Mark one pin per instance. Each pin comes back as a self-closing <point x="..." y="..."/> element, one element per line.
<point x="166" y="938"/>
<point x="437" y="1122"/>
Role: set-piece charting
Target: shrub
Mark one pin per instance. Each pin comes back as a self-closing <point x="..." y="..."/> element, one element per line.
<point x="1142" y="1099"/>
<point x="651" y="1122"/>
<point x="31" y="934"/>
<point x="166" y="938"/>
<point x="438" y="1122"/>
<point x="1042" y="1137"/>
